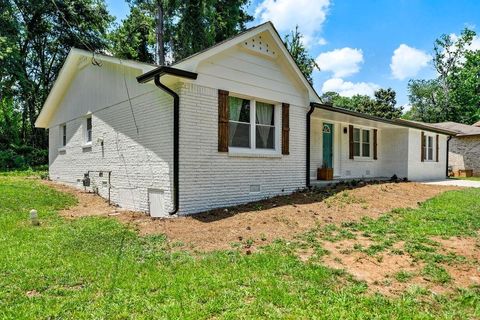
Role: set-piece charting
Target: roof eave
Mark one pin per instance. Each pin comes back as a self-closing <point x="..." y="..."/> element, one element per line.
<point x="160" y="71"/>
<point x="396" y="122"/>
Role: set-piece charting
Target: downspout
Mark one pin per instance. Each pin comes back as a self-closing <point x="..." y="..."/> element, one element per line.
<point x="448" y="151"/>
<point x="309" y="113"/>
<point x="176" y="137"/>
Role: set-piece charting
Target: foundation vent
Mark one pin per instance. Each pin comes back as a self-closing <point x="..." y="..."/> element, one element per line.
<point x="254" y="188"/>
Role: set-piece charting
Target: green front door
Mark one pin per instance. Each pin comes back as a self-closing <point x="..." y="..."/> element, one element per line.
<point x="327" y="145"/>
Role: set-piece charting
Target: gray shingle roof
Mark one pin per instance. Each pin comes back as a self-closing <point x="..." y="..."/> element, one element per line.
<point x="460" y="128"/>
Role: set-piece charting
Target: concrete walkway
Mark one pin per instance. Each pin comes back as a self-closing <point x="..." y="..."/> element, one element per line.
<point x="455" y="182"/>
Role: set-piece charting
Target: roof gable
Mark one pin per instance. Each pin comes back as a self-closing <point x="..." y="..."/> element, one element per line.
<point x="76" y="60"/>
<point x="261" y="40"/>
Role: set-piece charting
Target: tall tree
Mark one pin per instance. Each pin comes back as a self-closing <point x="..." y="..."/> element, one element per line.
<point x="465" y="86"/>
<point x="385" y="104"/>
<point x="45" y="30"/>
<point x="307" y="64"/>
<point x="183" y="28"/>
<point x="135" y="37"/>
<point x="453" y="95"/>
<point x="213" y="22"/>
<point x="427" y="99"/>
<point x="162" y="13"/>
<point x="193" y="15"/>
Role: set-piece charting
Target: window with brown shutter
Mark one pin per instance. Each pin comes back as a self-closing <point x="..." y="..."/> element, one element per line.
<point x="436" y="147"/>
<point x="285" y="128"/>
<point x="350" y="141"/>
<point x="375" y="157"/>
<point x="222" y="121"/>
<point x="422" y="147"/>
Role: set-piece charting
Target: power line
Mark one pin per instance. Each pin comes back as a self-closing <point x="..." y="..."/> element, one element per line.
<point x="62" y="15"/>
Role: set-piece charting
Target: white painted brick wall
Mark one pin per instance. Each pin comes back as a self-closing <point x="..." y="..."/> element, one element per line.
<point x="138" y="161"/>
<point x="210" y="179"/>
<point x="427" y="170"/>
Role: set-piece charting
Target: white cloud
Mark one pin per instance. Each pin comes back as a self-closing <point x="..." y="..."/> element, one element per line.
<point x="322" y="42"/>
<point x="341" y="62"/>
<point x="309" y="15"/>
<point x="408" y="61"/>
<point x="349" y="89"/>
<point x="475" y="45"/>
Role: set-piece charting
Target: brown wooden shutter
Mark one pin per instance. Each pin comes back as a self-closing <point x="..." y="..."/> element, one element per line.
<point x="375" y="155"/>
<point x="436" y="147"/>
<point x="422" y="146"/>
<point x="350" y="141"/>
<point x="222" y="121"/>
<point x="285" y="128"/>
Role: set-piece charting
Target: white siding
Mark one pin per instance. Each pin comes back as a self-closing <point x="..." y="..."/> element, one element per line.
<point x="244" y="72"/>
<point x="210" y="179"/>
<point x="392" y="152"/>
<point x="138" y="160"/>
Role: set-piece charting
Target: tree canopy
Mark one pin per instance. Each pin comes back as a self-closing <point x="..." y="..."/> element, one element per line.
<point x="307" y="64"/>
<point x="36" y="36"/>
<point x="454" y="95"/>
<point x="177" y="29"/>
<point x="382" y="105"/>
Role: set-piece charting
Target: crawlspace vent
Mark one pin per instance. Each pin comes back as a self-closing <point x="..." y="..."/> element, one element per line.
<point x="254" y="188"/>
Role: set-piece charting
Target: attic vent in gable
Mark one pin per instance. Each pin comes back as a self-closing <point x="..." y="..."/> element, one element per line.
<point x="261" y="45"/>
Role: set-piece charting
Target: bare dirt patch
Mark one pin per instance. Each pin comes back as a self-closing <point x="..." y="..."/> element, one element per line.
<point x="381" y="271"/>
<point x="253" y="225"/>
<point x="262" y="222"/>
<point x="89" y="204"/>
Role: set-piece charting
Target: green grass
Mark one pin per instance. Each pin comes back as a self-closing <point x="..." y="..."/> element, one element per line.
<point x="96" y="268"/>
<point x="469" y="178"/>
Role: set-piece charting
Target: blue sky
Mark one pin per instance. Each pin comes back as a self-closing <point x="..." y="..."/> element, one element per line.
<point x="364" y="45"/>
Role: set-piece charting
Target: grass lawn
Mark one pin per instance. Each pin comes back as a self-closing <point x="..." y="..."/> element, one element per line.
<point x="469" y="178"/>
<point x="92" y="268"/>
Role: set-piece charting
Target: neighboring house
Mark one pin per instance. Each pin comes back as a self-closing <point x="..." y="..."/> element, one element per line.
<point x="232" y="124"/>
<point x="464" y="148"/>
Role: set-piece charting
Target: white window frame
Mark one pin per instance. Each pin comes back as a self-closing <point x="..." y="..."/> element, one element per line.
<point x="253" y="151"/>
<point x="370" y="143"/>
<point x="85" y="131"/>
<point x="428" y="146"/>
<point x="63" y="134"/>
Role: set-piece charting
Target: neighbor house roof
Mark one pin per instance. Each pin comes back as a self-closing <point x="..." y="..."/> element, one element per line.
<point x="460" y="128"/>
<point x="396" y="122"/>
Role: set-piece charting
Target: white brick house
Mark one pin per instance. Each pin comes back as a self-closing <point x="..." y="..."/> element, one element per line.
<point x="232" y="124"/>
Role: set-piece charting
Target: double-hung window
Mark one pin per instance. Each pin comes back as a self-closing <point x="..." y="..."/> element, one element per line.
<point x="63" y="135"/>
<point x="252" y="124"/>
<point x="428" y="147"/>
<point x="88" y="129"/>
<point x="361" y="143"/>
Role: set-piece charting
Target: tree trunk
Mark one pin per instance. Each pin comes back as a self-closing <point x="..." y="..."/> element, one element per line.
<point x="159" y="33"/>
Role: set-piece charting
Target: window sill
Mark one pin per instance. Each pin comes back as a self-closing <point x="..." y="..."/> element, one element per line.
<point x="86" y="145"/>
<point x="248" y="153"/>
<point x="363" y="159"/>
<point x="62" y="149"/>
